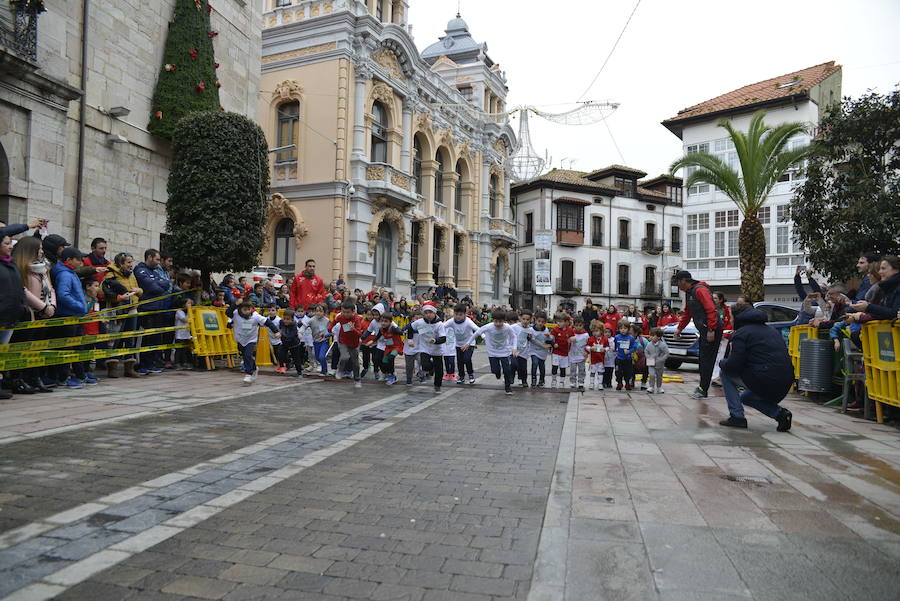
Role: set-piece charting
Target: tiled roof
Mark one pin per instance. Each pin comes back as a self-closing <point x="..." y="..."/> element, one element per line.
<point x="649" y="192"/>
<point x="571" y="199"/>
<point x="783" y="86"/>
<point x="614" y="168"/>
<point x="664" y="178"/>
<point x="569" y="176"/>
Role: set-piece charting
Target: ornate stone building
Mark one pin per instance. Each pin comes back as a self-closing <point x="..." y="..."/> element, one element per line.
<point x="387" y="164"/>
<point x="73" y="141"/>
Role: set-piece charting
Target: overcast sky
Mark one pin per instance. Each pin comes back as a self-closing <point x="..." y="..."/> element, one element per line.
<point x="675" y="53"/>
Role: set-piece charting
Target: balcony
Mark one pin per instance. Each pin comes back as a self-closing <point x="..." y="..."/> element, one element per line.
<point x="502" y="230"/>
<point x="651" y="290"/>
<point x="569" y="238"/>
<point x="568" y="287"/>
<point x="300" y="10"/>
<point x="388" y="181"/>
<point x="18" y="33"/>
<point x="624" y="242"/>
<point x="459" y="219"/>
<point x="652" y="246"/>
<point x="442" y="212"/>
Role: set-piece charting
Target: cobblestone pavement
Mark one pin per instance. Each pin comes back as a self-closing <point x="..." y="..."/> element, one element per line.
<point x="322" y="492"/>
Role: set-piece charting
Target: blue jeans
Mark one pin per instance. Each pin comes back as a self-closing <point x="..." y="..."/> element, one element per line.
<point x="464" y="361"/>
<point x="737" y="400"/>
<point x="501" y="364"/>
<point x="248" y="355"/>
<point x="537" y="367"/>
<point x="320" y="349"/>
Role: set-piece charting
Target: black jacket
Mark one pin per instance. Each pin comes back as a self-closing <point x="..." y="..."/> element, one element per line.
<point x="759" y="356"/>
<point x="12" y="295"/>
<point x="888" y="304"/>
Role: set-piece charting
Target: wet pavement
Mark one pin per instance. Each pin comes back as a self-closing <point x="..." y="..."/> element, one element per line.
<point x="319" y="491"/>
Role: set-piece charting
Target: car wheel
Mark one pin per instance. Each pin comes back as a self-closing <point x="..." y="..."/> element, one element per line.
<point x="673" y="363"/>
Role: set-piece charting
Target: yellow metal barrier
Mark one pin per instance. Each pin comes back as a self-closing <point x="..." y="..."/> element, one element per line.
<point x="881" y="340"/>
<point x="797" y="334"/>
<point x="265" y="352"/>
<point x="211" y="336"/>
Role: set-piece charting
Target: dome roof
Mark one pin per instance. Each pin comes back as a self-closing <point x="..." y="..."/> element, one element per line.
<point x="458" y="44"/>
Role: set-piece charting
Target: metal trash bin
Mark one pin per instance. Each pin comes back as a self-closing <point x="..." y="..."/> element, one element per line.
<point x="815" y="365"/>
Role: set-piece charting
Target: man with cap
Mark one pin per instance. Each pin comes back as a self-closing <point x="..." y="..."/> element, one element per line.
<point x="700" y="307"/>
<point x="69" y="303"/>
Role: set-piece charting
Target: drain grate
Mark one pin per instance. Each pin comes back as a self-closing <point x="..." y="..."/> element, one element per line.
<point x="745" y="479"/>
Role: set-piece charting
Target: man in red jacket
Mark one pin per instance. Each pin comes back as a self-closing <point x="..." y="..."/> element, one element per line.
<point x="700" y="307"/>
<point x="307" y="288"/>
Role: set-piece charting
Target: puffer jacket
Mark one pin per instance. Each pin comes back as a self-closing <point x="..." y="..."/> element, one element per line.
<point x="128" y="282"/>
<point x="758" y="355"/>
<point x="153" y="284"/>
<point x="888" y="304"/>
<point x="69" y="293"/>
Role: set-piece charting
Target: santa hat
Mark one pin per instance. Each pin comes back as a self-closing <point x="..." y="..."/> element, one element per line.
<point x="429" y="306"/>
<point x="380" y="308"/>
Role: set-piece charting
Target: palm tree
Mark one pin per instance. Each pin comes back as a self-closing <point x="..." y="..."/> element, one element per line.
<point x="763" y="159"/>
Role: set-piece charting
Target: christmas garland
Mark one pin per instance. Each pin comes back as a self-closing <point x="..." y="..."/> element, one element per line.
<point x="34" y="7"/>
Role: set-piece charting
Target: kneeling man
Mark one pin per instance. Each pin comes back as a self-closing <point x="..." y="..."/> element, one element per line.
<point x="759" y="358"/>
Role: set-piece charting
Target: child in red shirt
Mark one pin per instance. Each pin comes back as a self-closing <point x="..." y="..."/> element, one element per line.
<point x="388" y="346"/>
<point x="559" y="360"/>
<point x="351" y="328"/>
<point x="597" y="343"/>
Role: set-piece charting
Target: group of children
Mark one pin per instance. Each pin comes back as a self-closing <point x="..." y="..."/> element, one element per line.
<point x="443" y="349"/>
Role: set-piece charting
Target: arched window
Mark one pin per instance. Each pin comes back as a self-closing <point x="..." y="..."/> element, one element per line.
<point x="379" y="133"/>
<point x="417" y="164"/>
<point x="384" y="251"/>
<point x="439" y="179"/>
<point x="650" y="281"/>
<point x="457" y="256"/>
<point x="458" y="201"/>
<point x="494" y="199"/>
<point x="288" y="127"/>
<point x="567" y="276"/>
<point x="285" y="245"/>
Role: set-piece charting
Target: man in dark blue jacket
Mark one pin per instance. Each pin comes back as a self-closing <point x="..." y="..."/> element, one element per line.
<point x="154" y="284"/>
<point x="70" y="302"/>
<point x="759" y="358"/>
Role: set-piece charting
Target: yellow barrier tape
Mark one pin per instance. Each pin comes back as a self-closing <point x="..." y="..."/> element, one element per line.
<point x="61" y="357"/>
<point x="104" y="315"/>
<point x="56" y="343"/>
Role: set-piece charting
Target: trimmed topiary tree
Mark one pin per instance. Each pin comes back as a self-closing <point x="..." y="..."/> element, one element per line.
<point x="218" y="193"/>
<point x="187" y="80"/>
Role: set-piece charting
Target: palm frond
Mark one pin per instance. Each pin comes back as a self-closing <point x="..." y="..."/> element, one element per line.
<point x="710" y="170"/>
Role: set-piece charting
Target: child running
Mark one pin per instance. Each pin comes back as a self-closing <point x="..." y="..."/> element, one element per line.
<point x="577" y="354"/>
<point x="411" y="349"/>
<point x="246" y="323"/>
<point x="389" y="344"/>
<point x="501" y="344"/>
<point x="291" y="341"/>
<point x="430" y="335"/>
<point x="350" y="327"/>
<point x="539" y="345"/>
<point x="521" y="325"/>
<point x="609" y="358"/>
<point x="597" y="344"/>
<point x="272" y="316"/>
<point x="560" y="357"/>
<point x="463" y="329"/>
<point x="318" y="327"/>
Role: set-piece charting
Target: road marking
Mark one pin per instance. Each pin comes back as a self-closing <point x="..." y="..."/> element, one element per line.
<point x="145" y="534"/>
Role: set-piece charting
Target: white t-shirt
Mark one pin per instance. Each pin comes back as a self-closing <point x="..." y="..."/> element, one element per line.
<point x="425" y="332"/>
<point x="276" y="321"/>
<point x="500" y="341"/>
<point x="536" y="344"/>
<point x="246" y="330"/>
<point x="464" y="330"/>
<point x="577" y="349"/>
<point x="449" y="349"/>
<point x="410" y="344"/>
<point x="521" y="338"/>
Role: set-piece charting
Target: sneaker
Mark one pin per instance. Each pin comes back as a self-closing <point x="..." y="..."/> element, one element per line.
<point x="421" y="378"/>
<point x="143" y="371"/>
<point x="49" y="382"/>
<point x="155" y="370"/>
<point x="508" y="392"/>
<point x="698" y="393"/>
<point x="629" y="388"/>
<point x="534" y="382"/>
<point x="300" y="375"/>
<point x="784" y="420"/>
<point x="540" y="383"/>
<point x="650" y="390"/>
<point x="618" y="387"/>
<point x="74" y="382"/>
<point x="377" y="376"/>
<point x="89" y="381"/>
<point x="581" y="388"/>
<point x="437" y="390"/>
<point x="471" y="379"/>
<point x="446" y="376"/>
<point x="524" y="384"/>
<point x="247" y="380"/>
<point x="363" y="373"/>
<point x="660" y="390"/>
<point x="390" y="379"/>
<point x="460" y="381"/>
<point x="573" y="385"/>
<point x="357" y="384"/>
<point x="735" y="422"/>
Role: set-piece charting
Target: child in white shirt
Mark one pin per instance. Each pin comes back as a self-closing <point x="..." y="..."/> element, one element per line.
<point x="578" y="354"/>
<point x="501" y="344"/>
<point x="463" y="330"/>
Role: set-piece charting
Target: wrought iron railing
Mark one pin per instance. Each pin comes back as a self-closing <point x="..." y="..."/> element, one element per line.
<point x="18" y="31"/>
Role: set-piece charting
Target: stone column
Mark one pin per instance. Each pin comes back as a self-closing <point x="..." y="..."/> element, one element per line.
<point x="450" y="178"/>
<point x="428" y="170"/>
<point x="468" y="202"/>
<point x="406" y="150"/>
<point x="363" y="73"/>
<point x="445" y="271"/>
<point x="426" y="249"/>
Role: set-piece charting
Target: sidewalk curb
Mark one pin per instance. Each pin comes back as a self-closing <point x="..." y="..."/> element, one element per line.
<point x="548" y="580"/>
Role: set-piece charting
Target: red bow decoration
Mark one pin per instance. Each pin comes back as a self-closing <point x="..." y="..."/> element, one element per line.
<point x="193" y="54"/>
<point x="212" y="34"/>
<point x="170" y="67"/>
<point x="158" y="114"/>
<point x="201" y="87"/>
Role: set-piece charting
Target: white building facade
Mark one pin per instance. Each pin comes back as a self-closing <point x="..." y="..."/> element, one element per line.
<point x="615" y="238"/>
<point x="711" y="220"/>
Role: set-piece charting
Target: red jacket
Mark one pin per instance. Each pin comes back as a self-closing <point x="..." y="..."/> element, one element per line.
<point x="667" y="318"/>
<point x="88" y="262"/>
<point x="307" y="290"/>
<point x="702" y="297"/>
<point x="645" y="325"/>
<point x="726" y="318"/>
<point x="611" y="320"/>
<point x="561" y="340"/>
<point x="395" y="336"/>
<point x="349" y="337"/>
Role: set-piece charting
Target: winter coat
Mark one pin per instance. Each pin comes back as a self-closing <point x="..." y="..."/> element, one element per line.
<point x="307" y="290"/>
<point x="126" y="282"/>
<point x="658" y="351"/>
<point x="758" y="355"/>
<point x="153" y="284"/>
<point x="887" y="306"/>
<point x="12" y="294"/>
<point x="69" y="293"/>
<point x="700" y="308"/>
